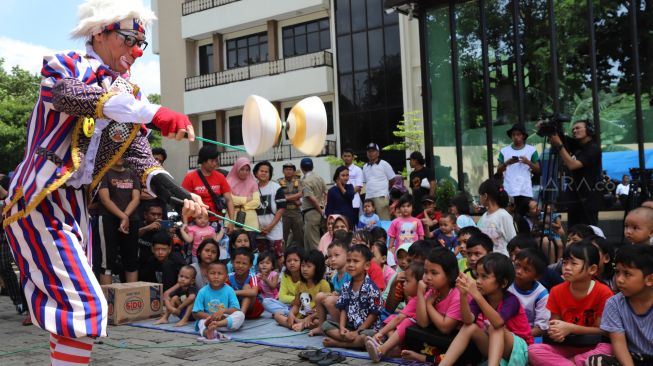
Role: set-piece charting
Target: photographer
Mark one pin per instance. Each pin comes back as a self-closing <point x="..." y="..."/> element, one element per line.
<point x="581" y="156"/>
<point x="517" y="162"/>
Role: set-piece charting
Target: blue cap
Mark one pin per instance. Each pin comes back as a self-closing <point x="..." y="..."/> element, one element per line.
<point x="306" y="164"/>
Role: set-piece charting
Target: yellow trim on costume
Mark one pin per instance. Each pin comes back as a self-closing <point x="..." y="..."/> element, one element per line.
<point x="146" y="173"/>
<point x="115" y="157"/>
<point x="17" y="195"/>
<point x="53" y="186"/>
<point x="99" y="107"/>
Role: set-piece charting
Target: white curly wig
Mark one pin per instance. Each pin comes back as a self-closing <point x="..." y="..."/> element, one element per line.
<point x="94" y="15"/>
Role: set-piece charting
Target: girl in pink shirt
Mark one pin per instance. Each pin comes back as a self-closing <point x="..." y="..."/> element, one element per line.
<point x="199" y="231"/>
<point x="380" y="252"/>
<point x="494" y="319"/>
<point x="438" y="299"/>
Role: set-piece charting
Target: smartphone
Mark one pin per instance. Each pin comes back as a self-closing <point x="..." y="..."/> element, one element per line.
<point x="166" y="224"/>
<point x="514" y="159"/>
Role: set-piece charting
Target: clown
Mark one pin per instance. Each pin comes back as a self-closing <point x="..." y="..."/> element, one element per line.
<point x="88" y="115"/>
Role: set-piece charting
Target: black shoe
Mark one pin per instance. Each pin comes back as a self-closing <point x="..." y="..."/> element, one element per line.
<point x="20" y="309"/>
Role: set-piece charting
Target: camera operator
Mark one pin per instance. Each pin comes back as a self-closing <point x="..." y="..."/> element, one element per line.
<point x="581" y="156"/>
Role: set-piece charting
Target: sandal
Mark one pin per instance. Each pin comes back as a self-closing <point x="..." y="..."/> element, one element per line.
<point x="321" y="355"/>
<point x="331" y="358"/>
<point x="372" y="347"/>
<point x="313" y="352"/>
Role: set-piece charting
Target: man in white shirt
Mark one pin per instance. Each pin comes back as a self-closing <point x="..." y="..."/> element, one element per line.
<point x="622" y="189"/>
<point x="378" y="176"/>
<point x="517" y="163"/>
<point x="355" y="177"/>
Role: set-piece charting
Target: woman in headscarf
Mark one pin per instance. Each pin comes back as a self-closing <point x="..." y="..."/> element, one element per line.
<point x="334" y="223"/>
<point x="244" y="191"/>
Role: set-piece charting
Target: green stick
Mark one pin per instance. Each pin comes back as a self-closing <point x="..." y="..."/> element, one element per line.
<point x="220" y="143"/>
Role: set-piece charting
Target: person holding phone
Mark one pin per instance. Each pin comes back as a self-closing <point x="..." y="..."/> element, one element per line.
<point x="517" y="163"/>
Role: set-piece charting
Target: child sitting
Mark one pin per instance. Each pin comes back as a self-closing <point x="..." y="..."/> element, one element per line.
<point x="216" y="307"/>
<point x="302" y="315"/>
<point x="550" y="277"/>
<point x="494" y="319"/>
<point x="325" y="302"/>
<point x="395" y="325"/>
<point x="208" y="252"/>
<point x="576" y="308"/>
<point x="478" y="246"/>
<point x="416" y="253"/>
<point x="244" y="283"/>
<point x="438" y="299"/>
<point x="533" y="296"/>
<point x="430" y="217"/>
<point x="160" y="268"/>
<point x="403" y="262"/>
<point x="268" y="278"/>
<point x="553" y="229"/>
<point x="445" y="235"/>
<point x="198" y="232"/>
<point x="459" y="207"/>
<point x="405" y="228"/>
<point x="638" y="226"/>
<point x="463" y="235"/>
<point x="359" y="304"/>
<point x="178" y="300"/>
<point x="369" y="218"/>
<point x="627" y="316"/>
<point x="240" y="239"/>
<point x="380" y="252"/>
<point x="290" y="278"/>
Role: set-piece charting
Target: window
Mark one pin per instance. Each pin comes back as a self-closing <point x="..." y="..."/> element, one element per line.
<point x="206" y="59"/>
<point x="300" y="39"/>
<point x="209" y="129"/>
<point x="249" y="50"/>
<point x="236" y="130"/>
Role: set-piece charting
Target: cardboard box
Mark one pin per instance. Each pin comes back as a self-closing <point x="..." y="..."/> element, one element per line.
<point x="130" y="302"/>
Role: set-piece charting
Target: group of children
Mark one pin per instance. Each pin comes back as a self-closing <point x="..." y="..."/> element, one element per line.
<point x="475" y="298"/>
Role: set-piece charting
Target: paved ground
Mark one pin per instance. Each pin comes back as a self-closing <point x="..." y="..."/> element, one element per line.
<point x="127" y="345"/>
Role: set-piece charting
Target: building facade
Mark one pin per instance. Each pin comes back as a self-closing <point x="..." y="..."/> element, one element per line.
<point x="214" y="53"/>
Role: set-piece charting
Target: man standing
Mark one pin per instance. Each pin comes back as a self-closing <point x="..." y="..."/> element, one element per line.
<point x="313" y="195"/>
<point x="87" y="115"/>
<point x="422" y="181"/>
<point x="623" y="189"/>
<point x="378" y="176"/>
<point x="581" y="155"/>
<point x="518" y="162"/>
<point x="292" y="216"/>
<point x="355" y="179"/>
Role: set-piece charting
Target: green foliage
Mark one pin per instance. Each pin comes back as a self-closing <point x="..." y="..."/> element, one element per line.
<point x="411" y="132"/>
<point x="444" y="192"/>
<point x="336" y="161"/>
<point x="18" y="92"/>
<point x="155" y="136"/>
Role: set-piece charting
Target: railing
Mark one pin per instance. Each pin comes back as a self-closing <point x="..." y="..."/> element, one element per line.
<point x="317" y="59"/>
<point x="194" y="6"/>
<point x="280" y="153"/>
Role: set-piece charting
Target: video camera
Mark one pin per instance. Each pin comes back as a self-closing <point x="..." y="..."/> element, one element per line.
<point x="551" y="124"/>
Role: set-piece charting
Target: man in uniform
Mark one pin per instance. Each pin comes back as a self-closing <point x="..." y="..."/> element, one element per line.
<point x="313" y="199"/>
<point x="292" y="216"/>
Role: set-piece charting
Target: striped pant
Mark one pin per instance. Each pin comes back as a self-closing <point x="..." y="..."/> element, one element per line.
<point x="49" y="244"/>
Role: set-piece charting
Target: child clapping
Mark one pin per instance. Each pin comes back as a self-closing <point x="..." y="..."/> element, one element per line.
<point x="268" y="278"/>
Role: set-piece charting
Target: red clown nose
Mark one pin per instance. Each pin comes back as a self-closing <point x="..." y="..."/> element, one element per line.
<point x="137" y="52"/>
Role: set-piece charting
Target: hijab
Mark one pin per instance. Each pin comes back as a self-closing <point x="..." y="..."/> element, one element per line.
<point x="240" y="187"/>
<point x="327" y="238"/>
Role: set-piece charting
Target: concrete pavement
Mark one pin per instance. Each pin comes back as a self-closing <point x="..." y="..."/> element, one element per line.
<point x="20" y="345"/>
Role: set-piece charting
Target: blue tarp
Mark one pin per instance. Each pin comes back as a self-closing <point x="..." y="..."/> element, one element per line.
<point x="618" y="163"/>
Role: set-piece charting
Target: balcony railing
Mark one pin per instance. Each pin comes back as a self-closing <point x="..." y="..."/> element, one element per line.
<point x="317" y="59"/>
<point x="194" y="6"/>
<point x="280" y="153"/>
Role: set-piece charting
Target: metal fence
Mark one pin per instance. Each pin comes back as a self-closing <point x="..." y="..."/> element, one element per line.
<point x="194" y="6"/>
<point x="316" y="59"/>
<point x="280" y="153"/>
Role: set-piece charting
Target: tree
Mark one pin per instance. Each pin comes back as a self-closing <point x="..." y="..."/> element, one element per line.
<point x="18" y="92"/>
<point x="155" y="136"/>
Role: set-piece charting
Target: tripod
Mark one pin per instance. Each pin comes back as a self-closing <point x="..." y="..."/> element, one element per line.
<point x="551" y="184"/>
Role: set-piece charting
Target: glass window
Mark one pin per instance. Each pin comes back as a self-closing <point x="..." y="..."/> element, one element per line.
<point x="360" y="51"/>
<point x="206" y="59"/>
<point x="300" y="39"/>
<point x="236" y="130"/>
<point x="358" y="21"/>
<point x="344" y="54"/>
<point x="343" y="17"/>
<point x="374" y="13"/>
<point x="375" y="39"/>
<point x="247" y="50"/>
<point x="209" y="129"/>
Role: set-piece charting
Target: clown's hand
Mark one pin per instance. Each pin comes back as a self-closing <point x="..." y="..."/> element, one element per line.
<point x="173" y="124"/>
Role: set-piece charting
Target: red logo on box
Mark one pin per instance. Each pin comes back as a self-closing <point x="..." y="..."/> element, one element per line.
<point x="134" y="305"/>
